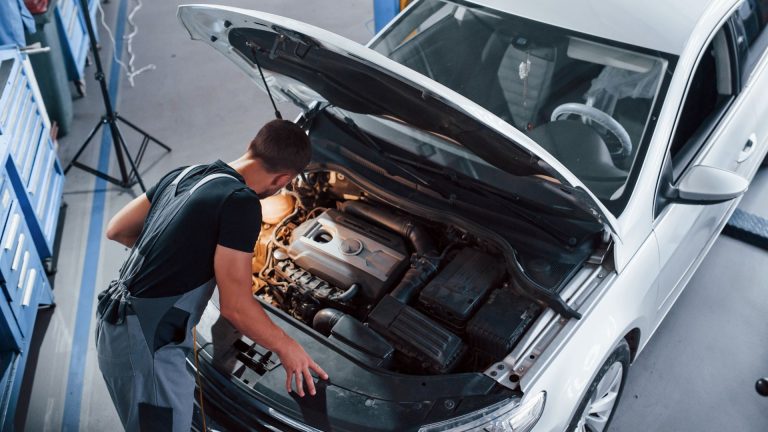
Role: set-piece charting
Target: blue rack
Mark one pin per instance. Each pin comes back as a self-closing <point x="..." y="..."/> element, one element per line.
<point x="385" y="11"/>
<point x="73" y="33"/>
<point x="31" y="185"/>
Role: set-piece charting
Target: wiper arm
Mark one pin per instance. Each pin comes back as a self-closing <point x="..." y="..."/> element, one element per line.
<point x="460" y="179"/>
<point x="370" y="142"/>
<point x="457" y="178"/>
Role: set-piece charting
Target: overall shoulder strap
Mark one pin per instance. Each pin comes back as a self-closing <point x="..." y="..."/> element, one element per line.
<point x="183" y="174"/>
<point x="208" y="178"/>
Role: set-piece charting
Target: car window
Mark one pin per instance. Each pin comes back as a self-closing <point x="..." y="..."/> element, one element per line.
<point x="710" y="90"/>
<point x="589" y="102"/>
<point x="436" y="149"/>
<point x="751" y="21"/>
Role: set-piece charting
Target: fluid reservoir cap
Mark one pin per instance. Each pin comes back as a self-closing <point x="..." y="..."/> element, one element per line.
<point x="351" y="246"/>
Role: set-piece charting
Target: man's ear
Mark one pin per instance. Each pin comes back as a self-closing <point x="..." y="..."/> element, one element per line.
<point x="282" y="179"/>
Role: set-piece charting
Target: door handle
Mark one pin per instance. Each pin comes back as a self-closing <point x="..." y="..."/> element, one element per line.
<point x="748" y="149"/>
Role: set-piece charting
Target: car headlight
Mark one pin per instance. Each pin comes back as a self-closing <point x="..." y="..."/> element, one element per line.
<point x="507" y="416"/>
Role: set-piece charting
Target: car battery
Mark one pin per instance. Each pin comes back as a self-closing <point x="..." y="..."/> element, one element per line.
<point x="461" y="286"/>
<point x="500" y="322"/>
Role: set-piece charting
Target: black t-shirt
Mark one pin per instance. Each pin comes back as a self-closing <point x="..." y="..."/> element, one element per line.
<point x="222" y="211"/>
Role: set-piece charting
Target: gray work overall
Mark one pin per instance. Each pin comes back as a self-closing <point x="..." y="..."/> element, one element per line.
<point x="146" y="372"/>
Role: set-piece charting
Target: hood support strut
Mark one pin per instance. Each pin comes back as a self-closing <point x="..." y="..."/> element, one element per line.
<point x="252" y="46"/>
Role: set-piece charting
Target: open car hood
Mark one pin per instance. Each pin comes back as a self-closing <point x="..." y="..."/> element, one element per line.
<point x="304" y="64"/>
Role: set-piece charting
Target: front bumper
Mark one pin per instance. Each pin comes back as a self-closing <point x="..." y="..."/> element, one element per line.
<point x="247" y="393"/>
<point x="230" y="411"/>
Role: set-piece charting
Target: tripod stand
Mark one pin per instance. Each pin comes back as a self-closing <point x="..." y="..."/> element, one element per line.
<point x="111" y="118"/>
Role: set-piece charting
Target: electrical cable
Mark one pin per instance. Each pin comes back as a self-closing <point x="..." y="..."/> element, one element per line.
<point x="197" y="373"/>
<point x="130" y="70"/>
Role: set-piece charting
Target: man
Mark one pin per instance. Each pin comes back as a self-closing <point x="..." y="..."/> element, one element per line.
<point x="193" y="230"/>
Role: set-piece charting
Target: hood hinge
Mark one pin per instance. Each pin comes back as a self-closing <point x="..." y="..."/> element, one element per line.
<point x="599" y="254"/>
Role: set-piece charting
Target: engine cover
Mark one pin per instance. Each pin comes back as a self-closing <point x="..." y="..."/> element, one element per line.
<point x="345" y="250"/>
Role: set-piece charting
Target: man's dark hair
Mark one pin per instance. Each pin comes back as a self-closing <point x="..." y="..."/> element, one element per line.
<point x="281" y="145"/>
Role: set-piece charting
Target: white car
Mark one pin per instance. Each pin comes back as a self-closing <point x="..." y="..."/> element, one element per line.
<point x="506" y="199"/>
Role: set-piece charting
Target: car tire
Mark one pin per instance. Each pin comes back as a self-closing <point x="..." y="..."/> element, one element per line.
<point x="598" y="406"/>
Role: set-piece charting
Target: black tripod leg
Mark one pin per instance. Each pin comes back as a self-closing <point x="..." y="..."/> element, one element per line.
<point x="85" y="144"/>
<point x="142" y="150"/>
<point x="141" y="131"/>
<point x="134" y="169"/>
<point x="139" y="156"/>
<point x="117" y="140"/>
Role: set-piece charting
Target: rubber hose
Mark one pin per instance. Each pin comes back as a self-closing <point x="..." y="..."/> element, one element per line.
<point x="411" y="282"/>
<point x="346" y="295"/>
<point x="426" y="261"/>
<point x="403" y="225"/>
<point x="325" y="319"/>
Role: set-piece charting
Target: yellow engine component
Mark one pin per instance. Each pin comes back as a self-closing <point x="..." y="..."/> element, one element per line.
<point x="260" y="251"/>
<point x="273" y="210"/>
<point x="256" y="285"/>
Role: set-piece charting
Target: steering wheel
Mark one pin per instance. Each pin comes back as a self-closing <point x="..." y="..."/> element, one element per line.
<point x="595" y="115"/>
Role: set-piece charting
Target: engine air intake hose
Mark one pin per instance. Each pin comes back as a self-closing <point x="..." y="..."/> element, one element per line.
<point x="325" y="319"/>
<point x="413" y="280"/>
<point x="426" y="261"/>
<point x="403" y="225"/>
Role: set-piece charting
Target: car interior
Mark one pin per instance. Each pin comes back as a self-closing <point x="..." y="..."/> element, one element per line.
<point x="586" y="103"/>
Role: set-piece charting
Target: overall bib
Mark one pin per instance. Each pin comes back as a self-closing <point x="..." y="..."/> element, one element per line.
<point x="143" y="343"/>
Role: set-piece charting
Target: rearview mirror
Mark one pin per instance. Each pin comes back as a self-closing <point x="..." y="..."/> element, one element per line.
<point x="708" y="185"/>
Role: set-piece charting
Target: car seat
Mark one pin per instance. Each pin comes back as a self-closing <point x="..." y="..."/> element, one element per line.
<point x="525" y="75"/>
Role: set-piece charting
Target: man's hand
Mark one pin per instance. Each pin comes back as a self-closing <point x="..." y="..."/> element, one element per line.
<point x="297" y="364"/>
<point x="233" y="276"/>
<point x="125" y="227"/>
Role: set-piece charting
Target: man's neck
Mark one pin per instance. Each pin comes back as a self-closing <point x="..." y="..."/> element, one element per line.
<point x="252" y="171"/>
<point x="240" y="165"/>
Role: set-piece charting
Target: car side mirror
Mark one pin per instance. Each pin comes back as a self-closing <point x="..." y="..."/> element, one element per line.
<point x="708" y="185"/>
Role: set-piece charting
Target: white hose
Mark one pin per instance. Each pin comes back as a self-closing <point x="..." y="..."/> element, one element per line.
<point x="130" y="71"/>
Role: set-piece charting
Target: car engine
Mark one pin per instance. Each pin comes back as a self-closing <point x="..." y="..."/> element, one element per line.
<point x="347" y="251"/>
<point x="392" y="290"/>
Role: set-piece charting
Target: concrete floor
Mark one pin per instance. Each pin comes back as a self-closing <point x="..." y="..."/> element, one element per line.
<point x="696" y="374"/>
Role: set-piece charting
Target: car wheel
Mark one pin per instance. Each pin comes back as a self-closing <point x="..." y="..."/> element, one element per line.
<point x="596" y="409"/>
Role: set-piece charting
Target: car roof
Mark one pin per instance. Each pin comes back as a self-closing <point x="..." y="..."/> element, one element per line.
<point x="660" y="25"/>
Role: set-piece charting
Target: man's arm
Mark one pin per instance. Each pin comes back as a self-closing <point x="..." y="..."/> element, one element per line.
<point x="127" y="224"/>
<point x="233" y="276"/>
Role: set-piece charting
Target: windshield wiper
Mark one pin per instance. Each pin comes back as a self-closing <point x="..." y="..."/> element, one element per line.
<point x="390" y="158"/>
<point x="468" y="183"/>
<point x="458" y="179"/>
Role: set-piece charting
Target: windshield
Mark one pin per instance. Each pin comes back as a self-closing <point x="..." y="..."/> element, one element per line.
<point x="439" y="150"/>
<point x="588" y="102"/>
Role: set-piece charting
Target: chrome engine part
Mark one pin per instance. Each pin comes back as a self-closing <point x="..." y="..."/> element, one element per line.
<point x="345" y="251"/>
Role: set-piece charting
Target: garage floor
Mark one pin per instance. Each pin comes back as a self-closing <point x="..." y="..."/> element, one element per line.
<point x="697" y="374"/>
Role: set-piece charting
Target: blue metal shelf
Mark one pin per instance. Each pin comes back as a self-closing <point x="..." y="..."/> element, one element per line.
<point x="31" y="182"/>
<point x="27" y="152"/>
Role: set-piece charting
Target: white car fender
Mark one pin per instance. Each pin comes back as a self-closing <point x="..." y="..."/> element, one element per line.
<point x="572" y="360"/>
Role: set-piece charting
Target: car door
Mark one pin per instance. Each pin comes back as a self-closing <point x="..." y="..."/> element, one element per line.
<point x="711" y="128"/>
<point x="750" y="26"/>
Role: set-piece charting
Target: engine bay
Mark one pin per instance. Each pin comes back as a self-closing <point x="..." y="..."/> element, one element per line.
<point x="390" y="289"/>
